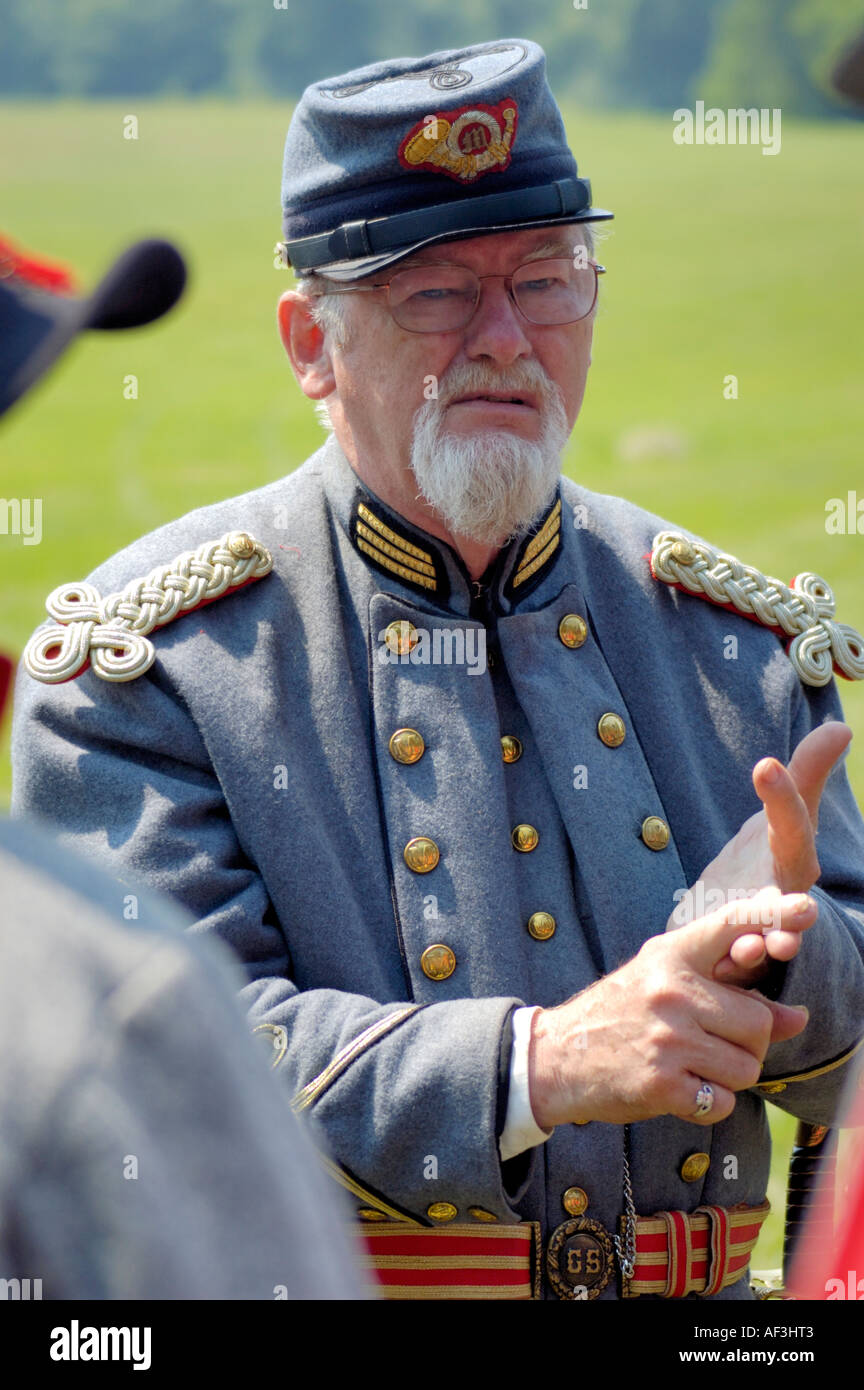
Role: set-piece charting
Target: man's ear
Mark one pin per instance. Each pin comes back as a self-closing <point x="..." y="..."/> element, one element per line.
<point x="303" y="340"/>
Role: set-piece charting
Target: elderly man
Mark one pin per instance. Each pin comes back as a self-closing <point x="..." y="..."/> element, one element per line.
<point x="456" y="756"/>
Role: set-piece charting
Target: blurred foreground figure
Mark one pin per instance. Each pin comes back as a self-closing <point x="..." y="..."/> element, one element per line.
<point x="40" y="315"/>
<point x="145" y="1151"/>
<point x="829" y="1260"/>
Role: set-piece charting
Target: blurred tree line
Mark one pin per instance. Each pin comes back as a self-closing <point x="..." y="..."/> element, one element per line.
<point x="621" y="53"/>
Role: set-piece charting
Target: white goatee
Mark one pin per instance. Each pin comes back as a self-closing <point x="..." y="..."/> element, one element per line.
<point x="489" y="486"/>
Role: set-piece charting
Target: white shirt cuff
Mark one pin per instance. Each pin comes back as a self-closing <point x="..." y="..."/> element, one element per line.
<point x="521" y="1130"/>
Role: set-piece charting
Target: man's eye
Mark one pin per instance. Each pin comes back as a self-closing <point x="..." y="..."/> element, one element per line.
<point x="551" y="282"/>
<point x="436" y="294"/>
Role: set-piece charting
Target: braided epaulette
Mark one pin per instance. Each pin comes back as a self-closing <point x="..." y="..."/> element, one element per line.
<point x="110" y="634"/>
<point x="804" y="612"/>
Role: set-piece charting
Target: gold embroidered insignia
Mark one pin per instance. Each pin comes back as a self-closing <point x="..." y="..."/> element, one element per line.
<point x="395" y="552"/>
<point x="540" y="548"/>
<point x="110" y="634"/>
<point x="463" y="143"/>
<point x="802" y="611"/>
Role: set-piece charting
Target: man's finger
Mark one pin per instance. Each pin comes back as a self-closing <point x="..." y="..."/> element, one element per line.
<point x="788" y="1022"/>
<point x="790" y="826"/>
<point x="708" y="940"/>
<point x="751" y="1029"/>
<point x="724" y="1101"/>
<point x="771" y="944"/>
<point x="748" y="953"/>
<point x="791" y="800"/>
<point x="813" y="759"/>
<point x="788" y="1019"/>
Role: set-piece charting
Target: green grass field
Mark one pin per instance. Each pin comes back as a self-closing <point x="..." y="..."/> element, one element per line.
<point x="721" y="261"/>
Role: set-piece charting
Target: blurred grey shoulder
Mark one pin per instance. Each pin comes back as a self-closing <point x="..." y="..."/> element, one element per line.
<point x="65" y="948"/>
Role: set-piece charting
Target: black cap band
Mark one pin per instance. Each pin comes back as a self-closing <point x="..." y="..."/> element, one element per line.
<point x="564" y="199"/>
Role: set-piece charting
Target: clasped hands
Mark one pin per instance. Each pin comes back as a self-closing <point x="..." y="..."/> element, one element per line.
<point x="687" y="1009"/>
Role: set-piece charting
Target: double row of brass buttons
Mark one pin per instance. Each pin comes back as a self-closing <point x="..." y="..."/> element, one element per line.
<point x="408" y="746"/>
<point x="400" y="637"/>
<point x="422" y="855"/>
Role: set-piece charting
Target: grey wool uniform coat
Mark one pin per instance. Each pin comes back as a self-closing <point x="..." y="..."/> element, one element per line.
<point x="249" y="774"/>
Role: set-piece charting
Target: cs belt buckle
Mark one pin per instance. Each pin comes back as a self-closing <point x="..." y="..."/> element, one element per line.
<point x="580" y="1258"/>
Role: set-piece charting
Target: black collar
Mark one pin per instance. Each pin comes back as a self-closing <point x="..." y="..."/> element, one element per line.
<point x="394" y="547"/>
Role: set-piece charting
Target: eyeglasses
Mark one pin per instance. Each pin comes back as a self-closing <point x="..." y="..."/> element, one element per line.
<point x="439" y="297"/>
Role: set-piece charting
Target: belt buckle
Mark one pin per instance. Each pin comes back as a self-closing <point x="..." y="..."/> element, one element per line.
<point x="580" y="1258"/>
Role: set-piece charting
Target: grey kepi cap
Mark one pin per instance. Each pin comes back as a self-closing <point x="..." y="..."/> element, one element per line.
<point x="412" y="151"/>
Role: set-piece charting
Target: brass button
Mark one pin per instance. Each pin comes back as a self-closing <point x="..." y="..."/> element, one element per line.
<point x="400" y="637"/>
<point x="511" y="748"/>
<point x="441" y="1211"/>
<point x="421" y="854"/>
<point x="525" y="838"/>
<point x="541" y="925"/>
<point x="480" y="1214"/>
<point x="572" y="630"/>
<point x="575" y="1201"/>
<point x="407" y="746"/>
<point x="655" y="832"/>
<point x="683" y="552"/>
<point x="695" y="1167"/>
<point x="241" y="545"/>
<point x="370" y="1214"/>
<point x="438" y="962"/>
<point x="612" y="730"/>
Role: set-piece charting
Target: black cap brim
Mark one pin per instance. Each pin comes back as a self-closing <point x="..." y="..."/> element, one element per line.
<point x="36" y="326"/>
<point x="368" y="265"/>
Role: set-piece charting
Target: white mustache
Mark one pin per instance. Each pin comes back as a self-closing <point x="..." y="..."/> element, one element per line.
<point x="476" y="377"/>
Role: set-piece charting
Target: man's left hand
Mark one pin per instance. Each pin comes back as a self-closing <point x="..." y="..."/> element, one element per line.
<point x="775" y="848"/>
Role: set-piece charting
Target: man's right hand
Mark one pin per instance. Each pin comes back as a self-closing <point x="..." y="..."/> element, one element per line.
<point x="642" y="1041"/>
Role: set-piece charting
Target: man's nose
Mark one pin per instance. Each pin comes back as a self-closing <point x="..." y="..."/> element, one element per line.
<point x="497" y="329"/>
